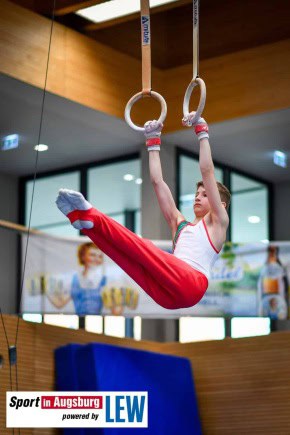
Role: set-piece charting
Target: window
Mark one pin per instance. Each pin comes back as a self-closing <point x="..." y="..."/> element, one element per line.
<point x="115" y="326"/>
<point x="94" y="324"/>
<point x="137" y="328"/>
<point x="45" y="215"/>
<point x="249" y="210"/>
<point x="188" y="177"/>
<point x="36" y="318"/>
<point x="201" y="329"/>
<point x="66" y="321"/>
<point x="249" y="205"/>
<point x="250" y="326"/>
<point x="115" y="189"/>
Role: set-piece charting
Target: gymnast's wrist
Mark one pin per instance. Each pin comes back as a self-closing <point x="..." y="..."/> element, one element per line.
<point x="201" y="129"/>
<point x="153" y="143"/>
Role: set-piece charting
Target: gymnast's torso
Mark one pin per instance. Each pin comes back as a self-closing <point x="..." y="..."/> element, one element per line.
<point x="193" y="245"/>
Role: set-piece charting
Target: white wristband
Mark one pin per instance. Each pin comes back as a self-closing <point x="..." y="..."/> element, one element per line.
<point x="154" y="148"/>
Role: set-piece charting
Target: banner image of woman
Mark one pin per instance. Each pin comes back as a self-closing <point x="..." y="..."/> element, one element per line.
<point x="86" y="285"/>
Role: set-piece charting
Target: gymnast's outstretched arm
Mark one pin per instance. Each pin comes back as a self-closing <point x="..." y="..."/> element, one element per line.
<point x="163" y="193"/>
<point x="218" y="208"/>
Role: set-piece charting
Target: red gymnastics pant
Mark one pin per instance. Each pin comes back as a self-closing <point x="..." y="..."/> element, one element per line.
<point x="169" y="281"/>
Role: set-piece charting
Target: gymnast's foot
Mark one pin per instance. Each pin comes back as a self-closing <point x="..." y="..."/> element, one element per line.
<point x="73" y="205"/>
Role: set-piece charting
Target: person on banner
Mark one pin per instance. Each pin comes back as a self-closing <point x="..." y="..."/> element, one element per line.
<point x="88" y="284"/>
<point x="85" y="287"/>
<point x="180" y="279"/>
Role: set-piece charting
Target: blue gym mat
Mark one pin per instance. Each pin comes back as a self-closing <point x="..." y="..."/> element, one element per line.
<point x="172" y="404"/>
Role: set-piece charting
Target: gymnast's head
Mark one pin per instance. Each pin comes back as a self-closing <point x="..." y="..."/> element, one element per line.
<point x="201" y="204"/>
<point x="89" y="255"/>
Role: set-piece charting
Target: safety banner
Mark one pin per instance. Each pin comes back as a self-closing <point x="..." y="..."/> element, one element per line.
<point x="77" y="409"/>
<point x="73" y="276"/>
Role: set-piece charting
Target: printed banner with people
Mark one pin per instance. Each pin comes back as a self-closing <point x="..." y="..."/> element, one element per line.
<point x="73" y="276"/>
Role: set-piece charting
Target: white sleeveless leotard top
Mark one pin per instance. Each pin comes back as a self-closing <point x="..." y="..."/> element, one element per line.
<point x="193" y="245"/>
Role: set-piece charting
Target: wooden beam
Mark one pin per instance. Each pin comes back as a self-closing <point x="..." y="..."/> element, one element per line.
<point x="18" y="228"/>
<point x="96" y="76"/>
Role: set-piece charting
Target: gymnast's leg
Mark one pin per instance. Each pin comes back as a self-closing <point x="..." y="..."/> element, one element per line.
<point x="168" y="280"/>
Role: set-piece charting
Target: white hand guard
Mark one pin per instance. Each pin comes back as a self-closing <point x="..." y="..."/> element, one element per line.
<point x="200" y="128"/>
<point x="153" y="133"/>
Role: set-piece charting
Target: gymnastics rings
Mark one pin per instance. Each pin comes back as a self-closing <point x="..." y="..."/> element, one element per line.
<point x="137" y="97"/>
<point x="194" y="82"/>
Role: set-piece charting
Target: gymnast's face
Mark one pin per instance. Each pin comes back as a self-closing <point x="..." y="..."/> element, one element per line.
<point x="92" y="257"/>
<point x="201" y="204"/>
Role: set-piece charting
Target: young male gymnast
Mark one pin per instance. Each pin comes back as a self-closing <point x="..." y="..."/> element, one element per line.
<point x="180" y="279"/>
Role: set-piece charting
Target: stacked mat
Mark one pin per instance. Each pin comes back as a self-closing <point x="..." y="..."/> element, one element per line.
<point x="172" y="404"/>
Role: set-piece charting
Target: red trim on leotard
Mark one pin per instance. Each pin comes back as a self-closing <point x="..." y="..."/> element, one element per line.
<point x="209" y="239"/>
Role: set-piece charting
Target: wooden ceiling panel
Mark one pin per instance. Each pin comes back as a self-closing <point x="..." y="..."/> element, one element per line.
<point x="226" y="27"/>
<point x="233" y="27"/>
<point x="126" y="37"/>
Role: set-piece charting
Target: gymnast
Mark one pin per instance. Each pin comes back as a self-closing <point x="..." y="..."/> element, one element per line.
<point x="180" y="279"/>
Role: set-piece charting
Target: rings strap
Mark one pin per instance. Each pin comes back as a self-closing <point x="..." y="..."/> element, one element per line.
<point x="146" y="47"/>
<point x="195" y="39"/>
<point x="196" y="80"/>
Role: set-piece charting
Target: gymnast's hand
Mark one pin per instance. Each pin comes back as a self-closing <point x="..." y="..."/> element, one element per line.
<point x="152" y="134"/>
<point x="200" y="128"/>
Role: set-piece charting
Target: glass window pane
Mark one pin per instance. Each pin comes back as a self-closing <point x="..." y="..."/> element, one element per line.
<point x="240" y="182"/>
<point x="115" y="326"/>
<point x="45" y="211"/>
<point x="110" y="192"/>
<point x="201" y="329"/>
<point x="120" y="218"/>
<point x="250" y="326"/>
<point x="188" y="177"/>
<point x="36" y="318"/>
<point x="249" y="210"/>
<point x="66" y="321"/>
<point x="62" y="230"/>
<point x="137" y="327"/>
<point x="138" y="223"/>
<point x="94" y="324"/>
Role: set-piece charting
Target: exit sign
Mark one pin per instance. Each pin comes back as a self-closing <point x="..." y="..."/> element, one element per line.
<point x="10" y="142"/>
